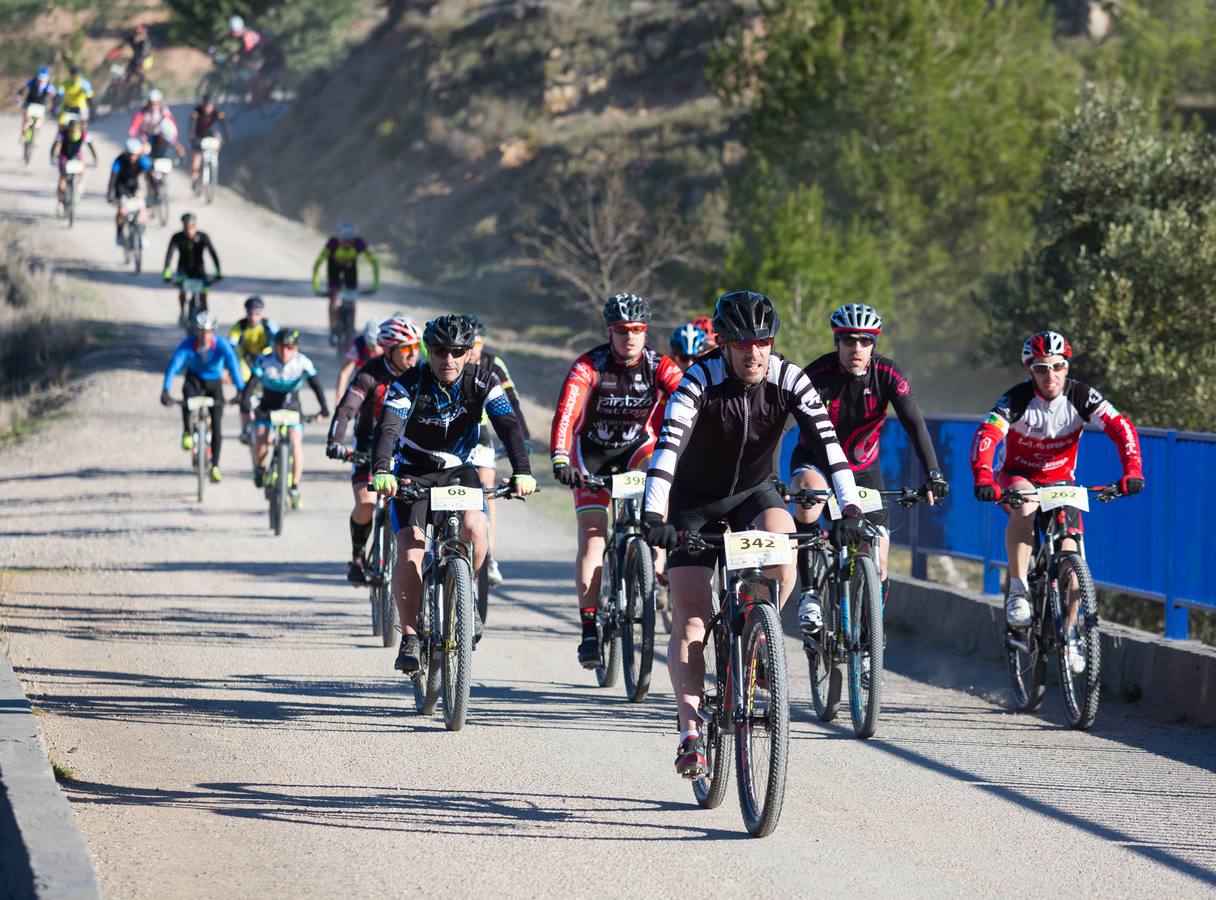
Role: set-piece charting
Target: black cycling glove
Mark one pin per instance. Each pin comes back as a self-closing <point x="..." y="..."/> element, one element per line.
<point x="936" y="483"/>
<point x="166" y="399"/>
<point x="334" y="450"/>
<point x="847" y="532"/>
<point x="659" y="533"/>
<point x="568" y="476"/>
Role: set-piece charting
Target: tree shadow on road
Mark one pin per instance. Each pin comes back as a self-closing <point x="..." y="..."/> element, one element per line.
<point x="467" y="813"/>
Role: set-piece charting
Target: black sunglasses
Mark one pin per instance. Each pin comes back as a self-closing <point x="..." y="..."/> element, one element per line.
<point x="449" y="351"/>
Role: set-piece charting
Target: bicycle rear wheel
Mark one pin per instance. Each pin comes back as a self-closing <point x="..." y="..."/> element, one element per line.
<point x="389" y="617"/>
<point x="427" y="678"/>
<point x="458" y="641"/>
<point x="1081" y="689"/>
<point x="762" y="740"/>
<point x="821" y="652"/>
<point x="606" y="626"/>
<point x="483" y="589"/>
<point x="637" y="629"/>
<point x="865" y="609"/>
<point x="710" y="788"/>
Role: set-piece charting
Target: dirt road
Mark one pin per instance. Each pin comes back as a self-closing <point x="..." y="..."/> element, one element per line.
<point x="235" y="730"/>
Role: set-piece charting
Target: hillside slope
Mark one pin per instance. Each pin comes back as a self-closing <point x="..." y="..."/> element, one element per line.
<point x="439" y="133"/>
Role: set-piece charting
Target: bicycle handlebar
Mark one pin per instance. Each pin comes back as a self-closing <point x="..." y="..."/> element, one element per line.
<point x="412" y="492"/>
<point x="1105" y="492"/>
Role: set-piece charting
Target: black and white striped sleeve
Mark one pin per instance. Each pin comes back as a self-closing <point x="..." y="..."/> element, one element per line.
<point x="679" y="418"/>
<point x="817" y="431"/>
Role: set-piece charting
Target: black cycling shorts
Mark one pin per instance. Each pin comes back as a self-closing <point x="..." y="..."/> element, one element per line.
<point x="414" y="512"/>
<point x="690" y="510"/>
<point x="870" y="478"/>
<point x="342" y="276"/>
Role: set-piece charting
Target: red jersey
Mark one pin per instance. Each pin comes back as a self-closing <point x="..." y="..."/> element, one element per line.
<point x="611" y="405"/>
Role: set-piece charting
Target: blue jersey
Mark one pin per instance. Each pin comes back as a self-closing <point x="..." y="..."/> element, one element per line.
<point x="208" y="366"/>
<point x="285" y="378"/>
<point x="40" y="93"/>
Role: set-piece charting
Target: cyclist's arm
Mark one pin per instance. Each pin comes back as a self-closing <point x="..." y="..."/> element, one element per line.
<point x="1118" y="427"/>
<point x="571" y="404"/>
<point x="372" y="258"/>
<point x="816" y="427"/>
<point x="679" y="420"/>
<point x="397" y="406"/>
<point x="112" y="187"/>
<point x="137" y="122"/>
<point x="908" y="411"/>
<point x="316" y="268"/>
<point x="987" y="438"/>
<point x="232" y="363"/>
<point x="215" y="259"/>
<point x="178" y="362"/>
<point x="344" y="374"/>
<point x="223" y="121"/>
<point x="169" y="252"/>
<point x="507" y="427"/>
<point x="252" y="386"/>
<point x="314" y="382"/>
<point x="93" y="151"/>
<point x="351" y="403"/>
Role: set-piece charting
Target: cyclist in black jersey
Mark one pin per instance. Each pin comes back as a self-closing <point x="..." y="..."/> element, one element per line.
<point x="857" y="385"/>
<point x="428" y="429"/>
<point x="190" y="244"/>
<point x="401" y="340"/>
<point x="714" y="461"/>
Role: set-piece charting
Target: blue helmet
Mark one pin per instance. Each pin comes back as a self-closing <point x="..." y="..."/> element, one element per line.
<point x="44" y="73"/>
<point x="688" y="340"/>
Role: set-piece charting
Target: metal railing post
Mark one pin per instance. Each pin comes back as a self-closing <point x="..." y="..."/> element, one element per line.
<point x="920" y="567"/>
<point x="1177" y="618"/>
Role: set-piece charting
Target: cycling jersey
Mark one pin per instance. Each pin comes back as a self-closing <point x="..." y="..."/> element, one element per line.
<point x="857" y="406"/>
<point x="252" y="340"/>
<point x="207" y="365"/>
<point x="427" y="426"/>
<point x="76" y="95"/>
<point x="281" y="382"/>
<point x="147" y="122"/>
<point x="341" y="258"/>
<point x="125" y="175"/>
<point x="36" y="93"/>
<point x="363" y="402"/>
<point x="204" y="124"/>
<point x="491" y="363"/>
<point x="360" y="352"/>
<point x="72" y="149"/>
<point x="719" y="435"/>
<point x="1041" y="436"/>
<point x="190" y="263"/>
<point x="609" y="405"/>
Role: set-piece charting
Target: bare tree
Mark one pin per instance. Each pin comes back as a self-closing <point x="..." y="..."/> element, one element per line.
<point x="599" y="238"/>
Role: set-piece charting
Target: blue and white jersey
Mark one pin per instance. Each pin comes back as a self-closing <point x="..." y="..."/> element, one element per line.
<point x="427" y="426"/>
<point x="283" y="378"/>
<point x="206" y="365"/>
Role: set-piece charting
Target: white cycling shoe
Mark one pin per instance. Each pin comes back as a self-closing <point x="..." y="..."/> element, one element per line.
<point x="1017" y="611"/>
<point x="493" y="576"/>
<point x="1076" y="654"/>
<point x="810" y="613"/>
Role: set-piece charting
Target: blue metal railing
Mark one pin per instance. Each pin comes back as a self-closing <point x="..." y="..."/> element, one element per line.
<point x="1152" y="545"/>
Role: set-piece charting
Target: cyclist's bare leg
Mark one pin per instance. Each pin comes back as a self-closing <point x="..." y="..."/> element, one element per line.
<point x="1073" y="587"/>
<point x="808" y="479"/>
<point x="63" y="188"/>
<point x="181" y="301"/>
<point x="781" y="522"/>
<point x="297" y="455"/>
<point x="592" y="528"/>
<point x="365" y="505"/>
<point x="473" y="530"/>
<point x="333" y="311"/>
<point x="261" y="446"/>
<point x="407" y="576"/>
<point x="486" y="475"/>
<point x="691" y="609"/>
<point x="1019" y="532"/>
<point x="196" y="164"/>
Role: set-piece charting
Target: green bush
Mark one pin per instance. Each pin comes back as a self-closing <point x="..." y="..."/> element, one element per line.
<point x="1123" y="261"/>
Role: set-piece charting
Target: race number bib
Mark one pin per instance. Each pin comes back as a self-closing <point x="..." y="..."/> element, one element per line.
<point x="628" y="485"/>
<point x="869" y="500"/>
<point x="756" y="549"/>
<point x="163" y="165"/>
<point x="193" y="285"/>
<point x="73" y="167"/>
<point x="1064" y="495"/>
<point x="193" y="403"/>
<point x="455" y="497"/>
<point x="833" y="508"/>
<point x="281" y="417"/>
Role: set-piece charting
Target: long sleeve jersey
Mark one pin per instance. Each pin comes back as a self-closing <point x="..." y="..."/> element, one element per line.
<point x="208" y="364"/>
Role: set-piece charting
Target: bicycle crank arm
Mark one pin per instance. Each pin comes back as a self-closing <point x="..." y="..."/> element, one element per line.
<point x="1014" y="644"/>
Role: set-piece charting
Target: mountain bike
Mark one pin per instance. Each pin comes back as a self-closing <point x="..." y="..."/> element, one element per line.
<point x="279" y="471"/>
<point x="1061" y="589"/>
<point x="200" y="431"/>
<point x="133" y="234"/>
<point x="345" y="325"/>
<point x="72" y="170"/>
<point x="195" y="290"/>
<point x="849" y="587"/>
<point x="36" y="113"/>
<point x="161" y="167"/>
<point x="446" y="614"/>
<point x="121" y="91"/>
<point x="625" y="614"/>
<point x="379" y="566"/>
<point x="746" y="690"/>
<point x="209" y="170"/>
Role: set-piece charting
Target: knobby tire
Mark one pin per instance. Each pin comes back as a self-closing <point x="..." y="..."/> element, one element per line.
<point x="1028" y="671"/>
<point x="637" y="631"/>
<point x="865" y="608"/>
<point x="458" y="642"/>
<point x="388" y="603"/>
<point x="609" y="669"/>
<point x="710" y="788"/>
<point x="1081" y="692"/>
<point x="821" y="659"/>
<point x="762" y="740"/>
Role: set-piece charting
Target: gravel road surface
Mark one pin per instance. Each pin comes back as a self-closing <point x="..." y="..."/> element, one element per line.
<point x="235" y="730"/>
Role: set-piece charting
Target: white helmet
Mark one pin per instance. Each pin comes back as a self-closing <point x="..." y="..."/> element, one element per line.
<point x="856" y="317"/>
<point x="135" y="145"/>
<point x="371" y="328"/>
<point x="236" y="24"/>
<point x="155" y="95"/>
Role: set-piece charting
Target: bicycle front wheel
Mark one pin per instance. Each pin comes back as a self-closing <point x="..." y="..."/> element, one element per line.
<point x="281" y="468"/>
<point x="389" y="617"/>
<point x="458" y="641"/>
<point x="27" y="149"/>
<point x="483" y="589"/>
<point x="866" y="646"/>
<point x="637" y="628"/>
<point x="1081" y="688"/>
<point x="69" y="201"/>
<point x="209" y="182"/>
<point x="202" y="438"/>
<point x="162" y="206"/>
<point x="821" y="651"/>
<point x="710" y="788"/>
<point x="762" y="739"/>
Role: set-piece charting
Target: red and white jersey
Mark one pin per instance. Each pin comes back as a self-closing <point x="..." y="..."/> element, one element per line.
<point x="147" y="121"/>
<point x="1041" y="436"/>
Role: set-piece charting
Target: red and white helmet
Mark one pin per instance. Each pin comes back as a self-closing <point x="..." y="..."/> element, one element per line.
<point x="399" y="331"/>
<point x="856" y="317"/>
<point x="1045" y="343"/>
<point x="706" y="324"/>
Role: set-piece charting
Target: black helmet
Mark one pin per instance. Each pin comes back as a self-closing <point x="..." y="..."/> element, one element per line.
<point x="287" y="337"/>
<point x="254" y="302"/>
<point x="449" y="331"/>
<point x="745" y="316"/>
<point x="626" y="308"/>
<point x="189" y="218"/>
<point x="479" y="327"/>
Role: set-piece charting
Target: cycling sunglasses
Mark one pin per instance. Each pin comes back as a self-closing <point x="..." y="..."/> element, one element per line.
<point x="629" y="328"/>
<point x="856" y="340"/>
<point x="454" y="352"/>
<point x="1044" y="368"/>
<point x="748" y="344"/>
